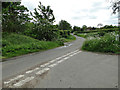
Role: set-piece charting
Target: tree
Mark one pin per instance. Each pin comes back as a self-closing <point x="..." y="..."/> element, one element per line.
<point x="14" y="17"/>
<point x="116" y="8"/>
<point x="76" y="28"/>
<point x="64" y="25"/>
<point x="108" y="26"/>
<point x="100" y="25"/>
<point x="43" y="15"/>
<point x="43" y="20"/>
<point x="84" y="27"/>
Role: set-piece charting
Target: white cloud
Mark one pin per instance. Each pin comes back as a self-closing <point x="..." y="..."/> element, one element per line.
<point x="77" y="12"/>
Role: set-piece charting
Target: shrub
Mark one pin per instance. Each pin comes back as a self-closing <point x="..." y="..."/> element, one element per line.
<point x="108" y="43"/>
<point x="99" y="30"/>
<point x="64" y="33"/>
<point x="15" y="44"/>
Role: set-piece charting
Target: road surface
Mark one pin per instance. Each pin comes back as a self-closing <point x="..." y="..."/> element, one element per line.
<point x="62" y="67"/>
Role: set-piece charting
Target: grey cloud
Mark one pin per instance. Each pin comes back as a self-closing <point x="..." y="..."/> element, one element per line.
<point x="92" y="17"/>
<point x="97" y="4"/>
<point x="76" y="18"/>
<point x="111" y="21"/>
<point x="84" y="17"/>
<point x="114" y="17"/>
<point x="95" y="8"/>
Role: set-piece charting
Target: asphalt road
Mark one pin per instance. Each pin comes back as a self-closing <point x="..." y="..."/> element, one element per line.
<point x="20" y="64"/>
<point x="79" y="69"/>
<point x="84" y="70"/>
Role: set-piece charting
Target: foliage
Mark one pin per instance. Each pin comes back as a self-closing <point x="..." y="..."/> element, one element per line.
<point x="15" y="44"/>
<point x="44" y="18"/>
<point x="76" y="28"/>
<point x="99" y="30"/>
<point x="68" y="39"/>
<point x="116" y="6"/>
<point x="108" y="26"/>
<point x="108" y="44"/>
<point x="64" y="33"/>
<point x="14" y="17"/>
<point x="43" y="15"/>
<point x="82" y="35"/>
<point x="84" y="27"/>
<point x="64" y="25"/>
<point x="16" y="20"/>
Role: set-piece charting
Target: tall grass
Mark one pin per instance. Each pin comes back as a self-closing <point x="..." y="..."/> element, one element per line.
<point x="69" y="38"/>
<point x="15" y="45"/>
<point x="109" y="43"/>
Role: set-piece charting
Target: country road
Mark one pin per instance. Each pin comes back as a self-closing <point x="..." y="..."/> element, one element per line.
<point x="62" y="67"/>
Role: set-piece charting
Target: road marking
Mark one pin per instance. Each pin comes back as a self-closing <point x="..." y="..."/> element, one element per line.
<point x="66" y="54"/>
<point x="52" y="61"/>
<point x="23" y="81"/>
<point x="65" y="58"/>
<point x="62" y="56"/>
<point x="60" y="61"/>
<point x="42" y="71"/>
<point x="44" y="68"/>
<point x="18" y="77"/>
<point x="52" y="65"/>
<point x="30" y="71"/>
<point x="44" y="65"/>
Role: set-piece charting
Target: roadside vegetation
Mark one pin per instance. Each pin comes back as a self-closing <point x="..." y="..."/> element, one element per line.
<point x="109" y="43"/>
<point x="18" y="44"/>
<point x="25" y="32"/>
<point x="105" y="40"/>
<point x="70" y="38"/>
<point x="15" y="45"/>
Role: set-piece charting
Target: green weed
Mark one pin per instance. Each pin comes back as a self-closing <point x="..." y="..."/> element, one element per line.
<point x="108" y="44"/>
<point x="15" y="45"/>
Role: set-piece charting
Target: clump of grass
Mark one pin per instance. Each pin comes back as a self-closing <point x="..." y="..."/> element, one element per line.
<point x="82" y="35"/>
<point x="109" y="43"/>
<point x="15" y="45"/>
<point x="69" y="38"/>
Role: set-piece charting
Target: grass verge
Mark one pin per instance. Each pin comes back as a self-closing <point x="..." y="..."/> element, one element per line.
<point x="109" y="43"/>
<point x="69" y="38"/>
<point x="15" y="45"/>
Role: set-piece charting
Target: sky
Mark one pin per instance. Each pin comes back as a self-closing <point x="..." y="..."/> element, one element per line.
<point x="78" y="12"/>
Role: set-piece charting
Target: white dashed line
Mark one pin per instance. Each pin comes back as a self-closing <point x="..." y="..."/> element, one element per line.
<point x="18" y="77"/>
<point x="52" y="61"/>
<point x="65" y="58"/>
<point x="44" y="68"/>
<point x="42" y="71"/>
<point x="44" y="65"/>
<point x="22" y="82"/>
<point x="30" y="71"/>
<point x="52" y="65"/>
<point x="60" y="61"/>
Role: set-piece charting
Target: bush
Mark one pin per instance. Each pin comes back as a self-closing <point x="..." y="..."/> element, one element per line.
<point x="15" y="44"/>
<point x="99" y="30"/>
<point x="42" y="32"/>
<point x="64" y="33"/>
<point x="108" y="43"/>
